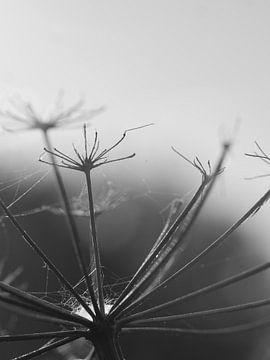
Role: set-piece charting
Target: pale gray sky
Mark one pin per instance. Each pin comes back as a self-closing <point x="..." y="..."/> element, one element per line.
<point x="192" y="66"/>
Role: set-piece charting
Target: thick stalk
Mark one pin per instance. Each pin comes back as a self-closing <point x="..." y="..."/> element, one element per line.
<point x="106" y="345"/>
<point x="97" y="262"/>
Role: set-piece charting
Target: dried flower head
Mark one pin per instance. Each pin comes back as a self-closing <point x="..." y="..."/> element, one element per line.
<point x="90" y="159"/>
<point x="26" y="117"/>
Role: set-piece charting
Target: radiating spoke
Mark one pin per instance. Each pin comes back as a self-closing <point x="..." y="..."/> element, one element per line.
<point x="218" y="331"/>
<point x="45" y="349"/>
<point x="42" y="335"/>
<point x="42" y="305"/>
<point x="203" y="313"/>
<point x="125" y="299"/>
<point x="254" y="209"/>
<point x="43" y="256"/>
<point x="194" y="294"/>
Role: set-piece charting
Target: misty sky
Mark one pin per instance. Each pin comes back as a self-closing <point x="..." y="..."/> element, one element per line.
<point x="193" y="67"/>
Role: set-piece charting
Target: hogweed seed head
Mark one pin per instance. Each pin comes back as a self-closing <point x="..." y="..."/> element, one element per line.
<point x="101" y="322"/>
<point x="26" y="116"/>
<point x="196" y="163"/>
<point x="90" y="158"/>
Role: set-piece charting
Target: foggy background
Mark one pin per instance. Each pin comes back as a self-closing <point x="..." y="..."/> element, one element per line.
<point x="195" y="69"/>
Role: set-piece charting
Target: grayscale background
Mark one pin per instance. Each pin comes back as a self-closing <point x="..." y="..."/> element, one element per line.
<point x="199" y="70"/>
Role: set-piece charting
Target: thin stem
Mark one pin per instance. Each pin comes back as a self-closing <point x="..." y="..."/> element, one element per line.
<point x="42" y="335"/>
<point x="207" y="181"/>
<point x="59" y="165"/>
<point x="43" y="256"/>
<point x="203" y="313"/>
<point x="118" y="349"/>
<point x="132" y="288"/>
<point x="46" y="348"/>
<point x="62" y="156"/>
<point x="91" y="354"/>
<point x="123" y="137"/>
<point x="114" y="160"/>
<point x="194" y="294"/>
<point x="44" y="305"/>
<point x="175" y="241"/>
<point x="94" y="147"/>
<point x="93" y="229"/>
<point x="75" y="234"/>
<point x="16" y="117"/>
<point x="33" y="312"/>
<point x="219" y="331"/>
<point x="256" y="207"/>
<point x="173" y="210"/>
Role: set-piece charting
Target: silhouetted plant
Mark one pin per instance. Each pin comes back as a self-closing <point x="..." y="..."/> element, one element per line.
<point x="90" y="316"/>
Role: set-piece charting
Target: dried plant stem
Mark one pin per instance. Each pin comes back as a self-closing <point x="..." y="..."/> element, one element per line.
<point x="167" y="244"/>
<point x="107" y="347"/>
<point x="75" y="234"/>
<point x="125" y="299"/>
<point x="42" y="255"/>
<point x="46" y="348"/>
<point x="218" y="331"/>
<point x="91" y="354"/>
<point x="33" y="312"/>
<point x="97" y="262"/>
<point x="43" y="305"/>
<point x="203" y="313"/>
<point x="134" y="286"/>
<point x="194" y="294"/>
<point x="43" y="335"/>
<point x="173" y="210"/>
<point x="204" y="252"/>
